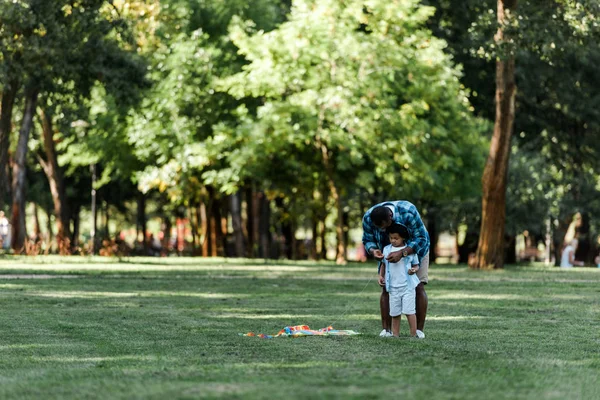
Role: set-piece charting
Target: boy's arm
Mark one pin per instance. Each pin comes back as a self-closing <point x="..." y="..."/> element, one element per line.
<point x="415" y="264"/>
<point x="413" y="269"/>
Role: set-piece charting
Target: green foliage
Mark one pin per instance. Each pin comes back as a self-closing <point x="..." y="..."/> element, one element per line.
<point x="179" y="113"/>
<point x="377" y="96"/>
<point x="557" y="119"/>
<point x="367" y="85"/>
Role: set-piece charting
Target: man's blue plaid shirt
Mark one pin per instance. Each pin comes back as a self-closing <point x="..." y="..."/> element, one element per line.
<point x="404" y="213"/>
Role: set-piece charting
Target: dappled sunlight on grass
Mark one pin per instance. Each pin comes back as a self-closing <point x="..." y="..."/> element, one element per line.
<point x="36" y="276"/>
<point x="13" y="286"/>
<point x="500" y="278"/>
<point x="211" y="388"/>
<point x="24" y="346"/>
<point x="133" y="328"/>
<point x="454" y="317"/>
<point x="73" y="359"/>
<point x="367" y="293"/>
<point x="480" y="296"/>
<point x="295" y="317"/>
<point x="98" y="294"/>
<point x="92" y="260"/>
<point x="155" y="267"/>
<point x="557" y="362"/>
<point x="264" y="316"/>
<point x="79" y="294"/>
<point x="295" y="364"/>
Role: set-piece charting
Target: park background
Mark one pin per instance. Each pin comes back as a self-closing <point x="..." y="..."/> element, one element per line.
<point x="180" y="172"/>
<point x="266" y="128"/>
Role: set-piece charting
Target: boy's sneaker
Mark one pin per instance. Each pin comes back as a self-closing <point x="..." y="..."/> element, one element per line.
<point x="420" y="334"/>
<point x="385" y="333"/>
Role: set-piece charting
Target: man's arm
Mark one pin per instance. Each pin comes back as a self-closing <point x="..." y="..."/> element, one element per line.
<point x="381" y="272"/>
<point x="368" y="237"/>
<point x="419" y="239"/>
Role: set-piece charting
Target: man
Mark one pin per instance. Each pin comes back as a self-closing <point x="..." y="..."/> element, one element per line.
<point x="375" y="221"/>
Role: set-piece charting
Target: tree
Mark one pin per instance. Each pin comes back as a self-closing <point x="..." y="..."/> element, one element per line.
<point x="490" y="250"/>
<point x="557" y="104"/>
<point x="56" y="47"/>
<point x="347" y="89"/>
<point x="169" y="128"/>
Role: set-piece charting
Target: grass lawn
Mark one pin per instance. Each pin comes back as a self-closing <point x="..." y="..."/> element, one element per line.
<point x="168" y="329"/>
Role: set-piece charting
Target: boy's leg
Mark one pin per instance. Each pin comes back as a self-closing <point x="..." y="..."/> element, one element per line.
<point x="396" y="326"/>
<point x="384" y="305"/>
<point x="395" y="307"/>
<point x="412" y="324"/>
<point x="408" y="309"/>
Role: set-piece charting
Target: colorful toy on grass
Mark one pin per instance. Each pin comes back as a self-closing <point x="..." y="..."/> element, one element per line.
<point x="304" y="330"/>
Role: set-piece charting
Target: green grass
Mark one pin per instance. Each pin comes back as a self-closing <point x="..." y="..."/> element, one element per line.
<point x="168" y="328"/>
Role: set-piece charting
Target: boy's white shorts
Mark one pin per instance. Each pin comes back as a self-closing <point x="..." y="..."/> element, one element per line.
<point x="402" y="302"/>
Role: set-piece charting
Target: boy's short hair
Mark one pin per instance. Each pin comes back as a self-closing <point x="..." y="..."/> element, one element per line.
<point x="399" y="229"/>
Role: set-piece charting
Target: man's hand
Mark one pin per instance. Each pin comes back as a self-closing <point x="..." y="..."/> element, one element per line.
<point x="377" y="254"/>
<point x="381" y="280"/>
<point x="394" y="257"/>
<point x="413" y="270"/>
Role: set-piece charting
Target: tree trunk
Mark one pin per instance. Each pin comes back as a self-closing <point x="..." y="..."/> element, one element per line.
<point x="193" y="227"/>
<point x="217" y="248"/>
<point x="339" y="224"/>
<point x="510" y="255"/>
<point x="167" y="225"/>
<point x="323" y="235"/>
<point x="55" y="179"/>
<point x="315" y="233"/>
<point x="106" y="221"/>
<point x="286" y="229"/>
<point x="6" y="108"/>
<point x="264" y="227"/>
<point x="490" y="250"/>
<point x="141" y="220"/>
<point x="37" y="231"/>
<point x="256" y="206"/>
<point x="200" y="227"/>
<point x="251" y="227"/>
<point x="236" y="219"/>
<point x="346" y="230"/>
<point x="219" y="227"/>
<point x="18" y="189"/>
<point x="336" y="196"/>
<point x="206" y="231"/>
<point x="94" y="210"/>
<point x="434" y="235"/>
<point x="213" y="218"/>
<point x="76" y="227"/>
<point x="468" y="247"/>
<point x="50" y="234"/>
<point x="180" y="228"/>
<point x="548" y="241"/>
<point x="584" y="251"/>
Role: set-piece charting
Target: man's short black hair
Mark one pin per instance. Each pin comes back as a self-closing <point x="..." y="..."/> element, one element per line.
<point x="399" y="229"/>
<point x="379" y="215"/>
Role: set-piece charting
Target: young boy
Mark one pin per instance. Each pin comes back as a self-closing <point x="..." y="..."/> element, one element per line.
<point x="400" y="280"/>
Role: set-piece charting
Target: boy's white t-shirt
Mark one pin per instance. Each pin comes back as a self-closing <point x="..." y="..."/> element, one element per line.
<point x="396" y="274"/>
